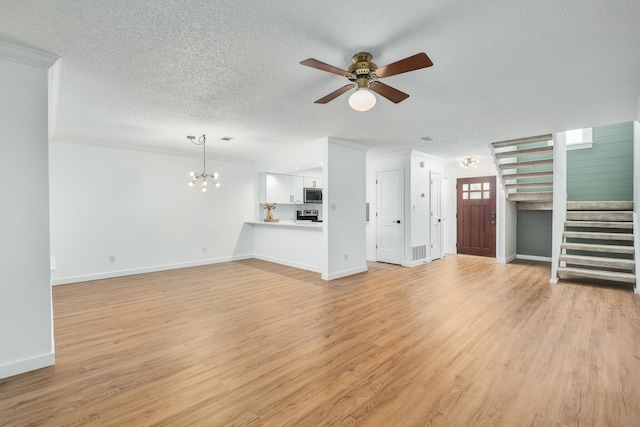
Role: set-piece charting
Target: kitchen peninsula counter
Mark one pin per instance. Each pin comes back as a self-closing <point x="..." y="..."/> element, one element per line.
<point x="296" y="244"/>
<point x="301" y="224"/>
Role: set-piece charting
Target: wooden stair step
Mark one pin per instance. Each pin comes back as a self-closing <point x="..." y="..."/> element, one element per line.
<point x="538" y="196"/>
<point x="607" y="216"/>
<point x="573" y="272"/>
<point x="534" y="206"/>
<point x="599" y="261"/>
<point x="600" y="206"/>
<point x="590" y="247"/>
<point x="520" y="141"/>
<point x="598" y="236"/>
<point x="599" y="224"/>
<point x="523" y="175"/>
<point x="527" y="152"/>
<point x="544" y="184"/>
<point x="528" y="164"/>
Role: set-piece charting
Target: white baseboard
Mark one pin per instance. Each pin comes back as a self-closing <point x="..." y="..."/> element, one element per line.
<point x="506" y="260"/>
<point x="344" y="273"/>
<point x="415" y="263"/>
<point x="301" y="266"/>
<point x="27" y="365"/>
<point x="534" y="258"/>
<point x="153" y="269"/>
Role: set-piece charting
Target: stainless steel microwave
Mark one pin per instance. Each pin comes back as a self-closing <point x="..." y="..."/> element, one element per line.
<point x="312" y="195"/>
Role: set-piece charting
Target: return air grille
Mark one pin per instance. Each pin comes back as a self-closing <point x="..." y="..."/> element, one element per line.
<point x="419" y="252"/>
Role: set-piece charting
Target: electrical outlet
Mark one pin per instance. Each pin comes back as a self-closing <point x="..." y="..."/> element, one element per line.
<point x="112" y="259"/>
<point x="204" y="249"/>
<point x="346" y="257"/>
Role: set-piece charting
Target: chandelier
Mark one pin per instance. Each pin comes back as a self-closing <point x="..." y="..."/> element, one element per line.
<point x="213" y="177"/>
<point x="469" y="162"/>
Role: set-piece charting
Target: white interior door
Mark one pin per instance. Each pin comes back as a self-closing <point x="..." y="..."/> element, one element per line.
<point x="436" y="216"/>
<point x="389" y="187"/>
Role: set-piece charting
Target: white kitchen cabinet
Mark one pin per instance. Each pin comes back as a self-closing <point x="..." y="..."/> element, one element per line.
<point x="285" y="195"/>
<point x="288" y="188"/>
<point x="297" y="185"/>
<point x="272" y="188"/>
<point x="312" y="182"/>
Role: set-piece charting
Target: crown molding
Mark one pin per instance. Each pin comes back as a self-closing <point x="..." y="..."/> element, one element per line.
<point x="27" y="55"/>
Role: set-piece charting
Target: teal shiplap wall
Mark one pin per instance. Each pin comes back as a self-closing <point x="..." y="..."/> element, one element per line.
<point x="601" y="173"/>
<point x="605" y="171"/>
<point x="534" y="169"/>
<point x="533" y="233"/>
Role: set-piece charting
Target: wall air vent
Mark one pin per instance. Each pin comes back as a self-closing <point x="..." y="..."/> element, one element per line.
<point x="226" y="138"/>
<point x="419" y="252"/>
<point x="427" y="138"/>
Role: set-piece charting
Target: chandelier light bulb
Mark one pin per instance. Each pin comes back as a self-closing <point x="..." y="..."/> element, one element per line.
<point x="469" y="162"/>
<point x="217" y="184"/>
<point x="362" y="100"/>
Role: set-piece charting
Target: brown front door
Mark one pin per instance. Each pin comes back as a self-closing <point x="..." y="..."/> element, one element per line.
<point x="477" y="216"/>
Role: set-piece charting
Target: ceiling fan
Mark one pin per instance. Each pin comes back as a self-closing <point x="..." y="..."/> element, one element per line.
<point x="364" y="76"/>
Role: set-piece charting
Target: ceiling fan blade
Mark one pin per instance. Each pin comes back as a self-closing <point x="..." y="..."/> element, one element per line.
<point x="336" y="93"/>
<point x="415" y="62"/>
<point x="314" y="63"/>
<point x="393" y="95"/>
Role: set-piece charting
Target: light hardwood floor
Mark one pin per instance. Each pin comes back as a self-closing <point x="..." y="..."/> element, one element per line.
<point x="462" y="341"/>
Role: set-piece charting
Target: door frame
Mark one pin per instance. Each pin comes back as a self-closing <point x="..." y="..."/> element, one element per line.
<point x="440" y="215"/>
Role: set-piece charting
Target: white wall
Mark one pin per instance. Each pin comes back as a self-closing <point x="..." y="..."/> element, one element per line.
<point x="507" y="225"/>
<point x="136" y="206"/>
<point x="636" y="168"/>
<point x="26" y="340"/>
<point x="636" y="192"/>
<point x="344" y="233"/>
<point x="419" y="207"/>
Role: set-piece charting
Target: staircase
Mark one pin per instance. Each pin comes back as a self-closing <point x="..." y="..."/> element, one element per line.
<point x="525" y="169"/>
<point x="598" y="242"/>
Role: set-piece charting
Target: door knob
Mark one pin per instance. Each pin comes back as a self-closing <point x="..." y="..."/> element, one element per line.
<point x="398" y="221"/>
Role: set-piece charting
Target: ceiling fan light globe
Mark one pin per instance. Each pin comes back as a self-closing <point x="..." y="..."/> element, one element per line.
<point x="362" y="100"/>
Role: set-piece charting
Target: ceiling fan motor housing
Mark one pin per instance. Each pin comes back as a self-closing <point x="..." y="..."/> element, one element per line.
<point x="362" y="65"/>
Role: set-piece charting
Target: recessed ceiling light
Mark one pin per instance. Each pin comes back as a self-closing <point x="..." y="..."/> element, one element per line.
<point x="226" y="138"/>
<point x="428" y="138"/>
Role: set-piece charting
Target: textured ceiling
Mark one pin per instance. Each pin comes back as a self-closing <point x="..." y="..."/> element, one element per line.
<point x="146" y="73"/>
